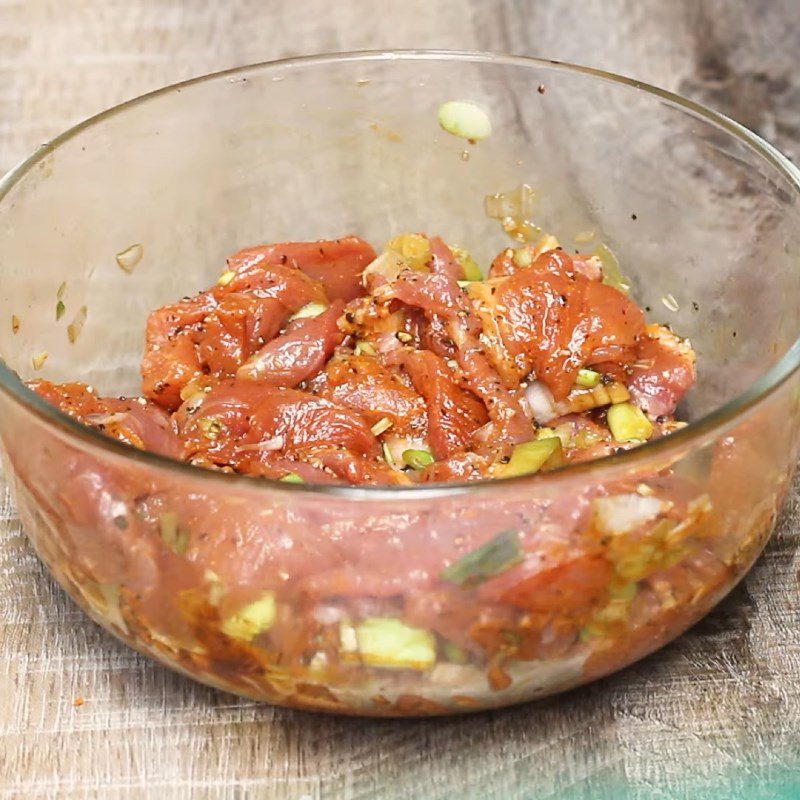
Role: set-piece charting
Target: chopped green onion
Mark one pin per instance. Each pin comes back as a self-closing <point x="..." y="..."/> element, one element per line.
<point x="210" y="427"/>
<point x="388" y="642"/>
<point x="38" y="360"/>
<point x="251" y="620"/>
<point x="309" y="310"/>
<point x="417" y="459"/>
<point x="365" y="348"/>
<point x="226" y="277"/>
<point x="175" y="537"/>
<point x="292" y="477"/>
<point x="465" y="120"/>
<point x="76" y="326"/>
<point x="562" y="432"/>
<point x="472" y="272"/>
<point x="530" y="457"/>
<point x="628" y="423"/>
<point x="414" y="248"/>
<point x="381" y="426"/>
<point x="496" y="556"/>
<point x="588" y="378"/>
<point x="60" y="309"/>
<point x="387" y="454"/>
<point x="522" y="257"/>
<point x="612" y="273"/>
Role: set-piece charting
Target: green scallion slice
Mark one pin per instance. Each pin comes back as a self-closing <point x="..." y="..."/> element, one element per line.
<point x="417" y="459"/>
<point x="496" y="556"/>
<point x="587" y="378"/>
<point x="530" y="457"/>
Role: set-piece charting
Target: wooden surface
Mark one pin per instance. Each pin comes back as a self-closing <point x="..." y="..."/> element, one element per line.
<point x="716" y="714"/>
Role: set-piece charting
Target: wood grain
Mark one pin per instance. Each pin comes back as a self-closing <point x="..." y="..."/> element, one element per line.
<point x="716" y="714"/>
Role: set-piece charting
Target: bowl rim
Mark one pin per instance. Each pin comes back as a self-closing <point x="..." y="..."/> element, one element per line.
<point x="709" y="424"/>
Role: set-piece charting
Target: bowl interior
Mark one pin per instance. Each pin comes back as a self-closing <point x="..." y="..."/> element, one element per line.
<point x="705" y="226"/>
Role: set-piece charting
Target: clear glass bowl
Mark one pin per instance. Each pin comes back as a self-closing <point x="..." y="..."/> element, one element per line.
<point x="703" y="216"/>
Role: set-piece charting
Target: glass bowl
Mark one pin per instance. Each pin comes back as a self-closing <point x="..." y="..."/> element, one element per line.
<point x="333" y="598"/>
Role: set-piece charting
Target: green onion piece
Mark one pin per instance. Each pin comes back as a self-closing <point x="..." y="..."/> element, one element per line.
<point x="530" y="457"/>
<point x="381" y="426"/>
<point x="522" y="257"/>
<point x="390" y="643"/>
<point x="387" y="454"/>
<point x="253" y="619"/>
<point x="60" y="309"/>
<point x="417" y="459"/>
<point x="365" y="348"/>
<point x="210" y="427"/>
<point x="175" y="537"/>
<point x="628" y="423"/>
<point x="465" y="120"/>
<point x="612" y="273"/>
<point x="309" y="310"/>
<point x="472" y="272"/>
<point x="496" y="556"/>
<point x="292" y="477"/>
<point x="588" y="378"/>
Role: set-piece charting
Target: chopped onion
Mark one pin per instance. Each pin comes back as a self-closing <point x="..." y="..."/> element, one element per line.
<point x="388" y="265"/>
<point x="130" y="257"/>
<point x="670" y="302"/>
<point x="76" y="326"/>
<point x="612" y="272"/>
<point x="623" y="513"/>
<point x="328" y="615"/>
<point x="382" y="425"/>
<point x="267" y="446"/>
<point x="106" y="419"/>
<point x="308" y="311"/>
<point x="541" y="403"/>
<point x="517" y="204"/>
<point x="386" y="343"/>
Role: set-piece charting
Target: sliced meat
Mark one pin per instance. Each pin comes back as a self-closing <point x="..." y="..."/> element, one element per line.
<point x="237" y="413"/>
<point x="454" y="414"/>
<point x="131" y="420"/>
<point x="217" y="330"/>
<point x="299" y="353"/>
<point x="443" y="262"/>
<point x="440" y="296"/>
<point x="337" y="264"/>
<point x="374" y="391"/>
<point x="553" y="321"/>
<point x="663" y="371"/>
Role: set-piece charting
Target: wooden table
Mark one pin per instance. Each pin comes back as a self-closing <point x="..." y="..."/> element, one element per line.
<point x="716" y="714"/>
